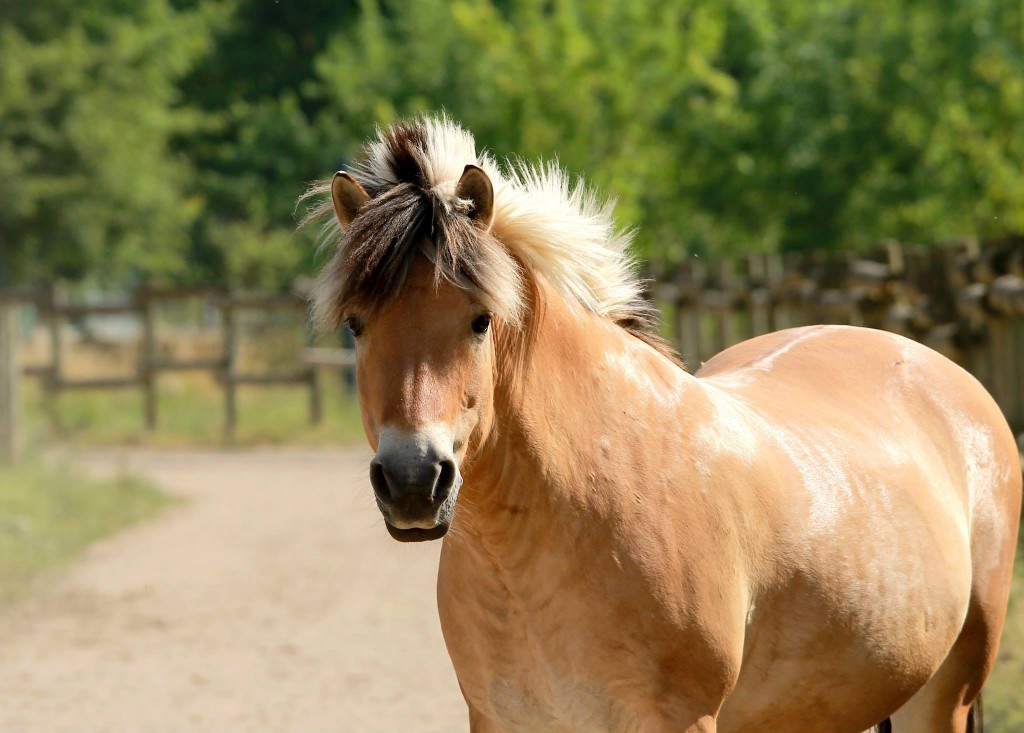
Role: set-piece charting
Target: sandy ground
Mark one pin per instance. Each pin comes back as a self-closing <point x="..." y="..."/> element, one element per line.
<point x="270" y="599"/>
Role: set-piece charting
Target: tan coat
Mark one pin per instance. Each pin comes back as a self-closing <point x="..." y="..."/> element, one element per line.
<point x="794" y="539"/>
<point x="814" y="533"/>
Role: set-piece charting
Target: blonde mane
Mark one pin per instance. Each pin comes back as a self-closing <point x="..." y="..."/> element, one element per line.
<point x="546" y="223"/>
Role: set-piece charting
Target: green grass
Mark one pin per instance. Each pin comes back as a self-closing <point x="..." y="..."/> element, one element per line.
<point x="1004" y="700"/>
<point x="191" y="413"/>
<point x="47" y="516"/>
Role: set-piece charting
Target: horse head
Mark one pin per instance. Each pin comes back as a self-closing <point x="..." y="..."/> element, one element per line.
<point x="421" y="282"/>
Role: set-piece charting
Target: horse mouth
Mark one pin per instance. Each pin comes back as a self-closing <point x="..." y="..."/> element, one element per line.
<point x="418" y="534"/>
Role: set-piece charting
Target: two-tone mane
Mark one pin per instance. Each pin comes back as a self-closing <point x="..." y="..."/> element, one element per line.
<point x="542" y="224"/>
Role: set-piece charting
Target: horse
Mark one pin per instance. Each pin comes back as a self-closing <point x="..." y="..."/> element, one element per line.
<point x="813" y="532"/>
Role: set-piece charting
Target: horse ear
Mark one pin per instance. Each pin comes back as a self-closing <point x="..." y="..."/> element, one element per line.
<point x="475" y="187"/>
<point x="348" y="197"/>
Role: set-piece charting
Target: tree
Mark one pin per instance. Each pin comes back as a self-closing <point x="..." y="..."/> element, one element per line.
<point x="170" y="138"/>
<point x="88" y="103"/>
<point x="722" y="126"/>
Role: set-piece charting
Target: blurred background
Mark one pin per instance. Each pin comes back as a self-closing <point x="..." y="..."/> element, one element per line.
<point x="848" y="161"/>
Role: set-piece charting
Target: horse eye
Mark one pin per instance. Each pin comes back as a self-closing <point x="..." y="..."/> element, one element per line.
<point x="481" y="323"/>
<point x="355" y="325"/>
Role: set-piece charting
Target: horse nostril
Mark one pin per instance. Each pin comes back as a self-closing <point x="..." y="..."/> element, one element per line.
<point x="445" y="479"/>
<point x="403" y="482"/>
<point x="379" y="481"/>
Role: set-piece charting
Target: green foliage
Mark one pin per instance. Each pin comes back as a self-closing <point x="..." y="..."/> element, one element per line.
<point x="171" y="137"/>
<point x="602" y="85"/>
<point x="1004" y="705"/>
<point x="257" y="147"/>
<point x="728" y="125"/>
<point x="87" y="109"/>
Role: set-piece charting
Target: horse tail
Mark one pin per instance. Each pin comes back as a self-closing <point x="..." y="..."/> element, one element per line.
<point x="884" y="727"/>
<point x="976" y="718"/>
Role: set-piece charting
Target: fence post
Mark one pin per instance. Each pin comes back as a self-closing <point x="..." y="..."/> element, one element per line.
<point x="316" y="396"/>
<point x="10" y="373"/>
<point x="697" y="314"/>
<point x="774" y="278"/>
<point x="726" y="317"/>
<point x="53" y="379"/>
<point x="316" y="386"/>
<point x="149" y="355"/>
<point x="229" y="315"/>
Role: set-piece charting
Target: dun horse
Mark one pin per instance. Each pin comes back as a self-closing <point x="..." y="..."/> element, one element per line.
<point x="813" y="533"/>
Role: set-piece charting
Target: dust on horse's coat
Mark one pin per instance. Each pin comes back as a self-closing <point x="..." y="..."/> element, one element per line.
<point x="813" y="533"/>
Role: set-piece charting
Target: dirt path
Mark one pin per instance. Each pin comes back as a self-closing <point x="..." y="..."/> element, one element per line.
<point x="271" y="599"/>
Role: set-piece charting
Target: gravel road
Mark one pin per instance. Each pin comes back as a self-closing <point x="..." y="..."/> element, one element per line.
<point x="270" y="599"/>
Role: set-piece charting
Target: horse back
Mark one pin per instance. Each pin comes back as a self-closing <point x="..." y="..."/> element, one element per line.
<point x="874" y="406"/>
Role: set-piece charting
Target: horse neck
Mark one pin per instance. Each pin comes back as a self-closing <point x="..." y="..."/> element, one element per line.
<point x="568" y="428"/>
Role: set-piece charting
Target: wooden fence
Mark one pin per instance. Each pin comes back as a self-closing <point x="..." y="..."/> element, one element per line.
<point x="143" y="305"/>
<point x="962" y="299"/>
<point x="10" y="438"/>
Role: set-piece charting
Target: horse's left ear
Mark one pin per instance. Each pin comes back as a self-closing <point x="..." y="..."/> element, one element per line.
<point x="348" y="197"/>
<point x="475" y="187"/>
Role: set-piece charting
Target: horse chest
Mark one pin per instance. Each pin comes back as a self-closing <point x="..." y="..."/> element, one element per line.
<point x="563" y="665"/>
<point x="534" y="675"/>
<point x="576" y="639"/>
<point x="556" y="704"/>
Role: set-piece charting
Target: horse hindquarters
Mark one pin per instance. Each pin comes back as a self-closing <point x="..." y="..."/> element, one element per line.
<point x="950" y="702"/>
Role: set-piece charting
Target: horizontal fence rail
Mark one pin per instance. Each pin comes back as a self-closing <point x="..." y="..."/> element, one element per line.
<point x="143" y="305"/>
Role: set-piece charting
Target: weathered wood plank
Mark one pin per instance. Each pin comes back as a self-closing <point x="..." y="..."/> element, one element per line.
<point x="10" y="374"/>
<point x="314" y="356"/>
